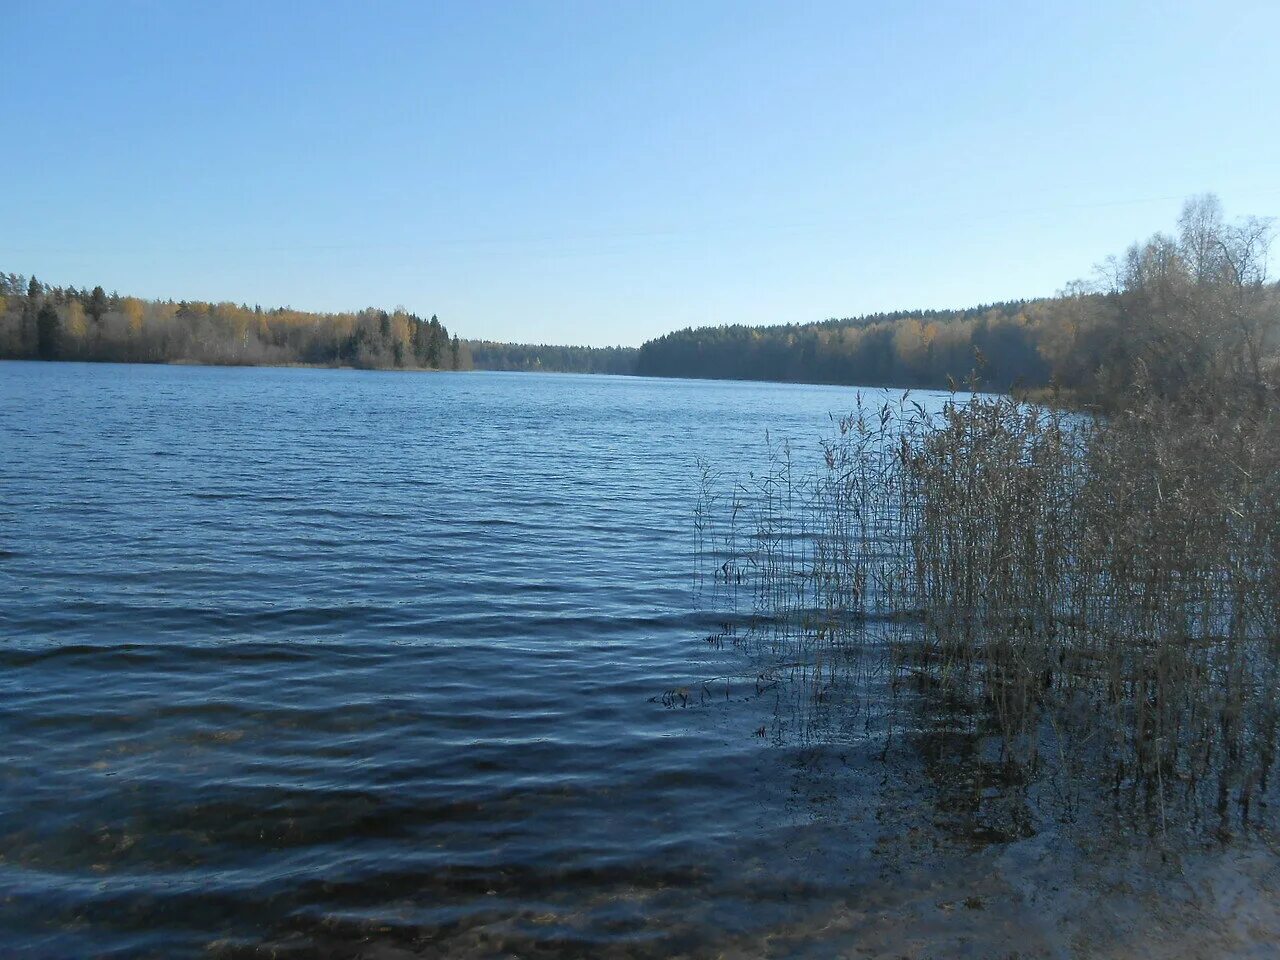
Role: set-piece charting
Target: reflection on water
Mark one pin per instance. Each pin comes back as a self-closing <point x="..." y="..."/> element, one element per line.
<point x="327" y="663"/>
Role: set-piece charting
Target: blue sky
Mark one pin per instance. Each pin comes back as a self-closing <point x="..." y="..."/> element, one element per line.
<point x="605" y="172"/>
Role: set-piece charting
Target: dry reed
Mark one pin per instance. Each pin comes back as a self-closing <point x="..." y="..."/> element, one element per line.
<point x="1107" y="590"/>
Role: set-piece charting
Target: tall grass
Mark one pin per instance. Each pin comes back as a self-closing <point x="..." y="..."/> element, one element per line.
<point x="1107" y="591"/>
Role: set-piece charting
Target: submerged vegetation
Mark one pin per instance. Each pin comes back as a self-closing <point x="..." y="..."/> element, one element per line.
<point x="39" y="321"/>
<point x="1100" y="592"/>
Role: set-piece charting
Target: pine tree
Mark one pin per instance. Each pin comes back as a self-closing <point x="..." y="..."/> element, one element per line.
<point x="27" y="333"/>
<point x="48" y="333"/>
<point x="97" y="307"/>
<point x="434" y="338"/>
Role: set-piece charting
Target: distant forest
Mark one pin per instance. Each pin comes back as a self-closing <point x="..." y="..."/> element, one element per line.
<point x="1150" y="313"/>
<point x="906" y="348"/>
<point x="532" y="357"/>
<point x="39" y="321"/>
<point x="1195" y="306"/>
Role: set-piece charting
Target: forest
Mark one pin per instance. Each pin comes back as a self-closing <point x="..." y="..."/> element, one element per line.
<point x="905" y="348"/>
<point x="45" y="322"/>
<point x="1146" y="308"/>
<point x="1151" y="312"/>
<point x="533" y="357"/>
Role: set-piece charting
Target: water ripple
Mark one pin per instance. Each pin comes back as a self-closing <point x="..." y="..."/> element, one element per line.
<point x="339" y="663"/>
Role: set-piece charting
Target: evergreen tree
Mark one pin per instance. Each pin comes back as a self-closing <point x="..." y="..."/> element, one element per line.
<point x="435" y="338"/>
<point x="27" y="333"/>
<point x="97" y="305"/>
<point x="48" y="333"/>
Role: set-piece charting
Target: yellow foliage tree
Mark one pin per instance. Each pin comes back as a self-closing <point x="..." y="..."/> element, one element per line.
<point x="909" y="341"/>
<point x="76" y="326"/>
<point x="132" y="308"/>
<point x="401" y="338"/>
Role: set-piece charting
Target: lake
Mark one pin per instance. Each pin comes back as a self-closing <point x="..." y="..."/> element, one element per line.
<point x="334" y="663"/>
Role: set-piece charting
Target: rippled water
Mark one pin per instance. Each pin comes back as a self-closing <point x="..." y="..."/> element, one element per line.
<point x="336" y="663"/>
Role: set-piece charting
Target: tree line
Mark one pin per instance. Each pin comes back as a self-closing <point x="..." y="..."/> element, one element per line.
<point x="533" y="357"/>
<point x="1174" y="311"/>
<point x="1178" y="309"/>
<point x="906" y="348"/>
<point x="45" y="322"/>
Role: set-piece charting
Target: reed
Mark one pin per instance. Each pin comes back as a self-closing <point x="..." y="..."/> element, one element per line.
<point x="1106" y="590"/>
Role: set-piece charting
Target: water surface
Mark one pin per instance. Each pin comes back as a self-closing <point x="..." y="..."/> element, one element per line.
<point x="338" y="663"/>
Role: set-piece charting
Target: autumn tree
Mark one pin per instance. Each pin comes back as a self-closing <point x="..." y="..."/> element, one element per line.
<point x="401" y="338"/>
<point x="76" y="328"/>
<point x="1194" y="314"/>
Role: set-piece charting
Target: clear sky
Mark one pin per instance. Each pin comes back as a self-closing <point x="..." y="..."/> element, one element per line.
<point x="603" y="172"/>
